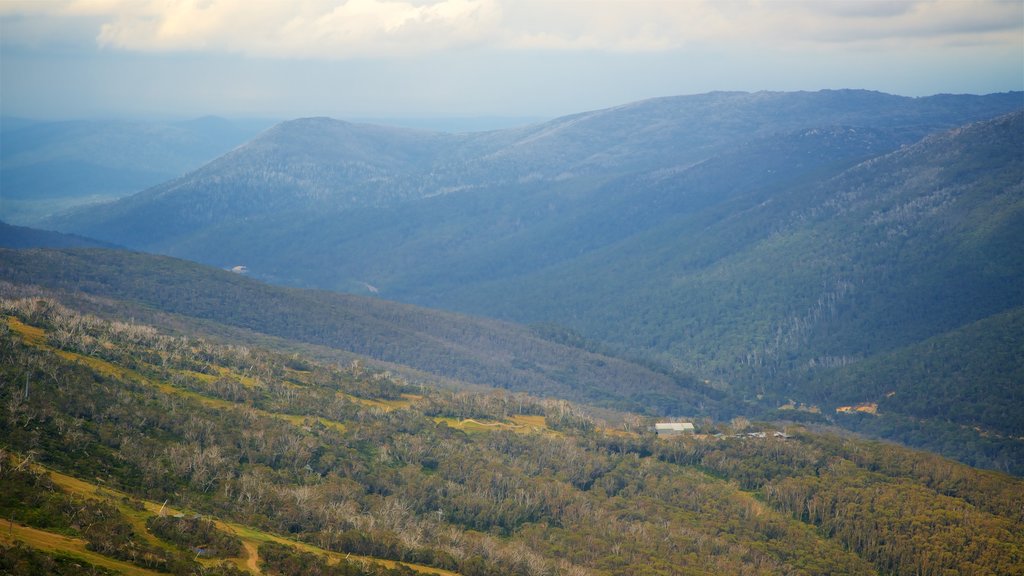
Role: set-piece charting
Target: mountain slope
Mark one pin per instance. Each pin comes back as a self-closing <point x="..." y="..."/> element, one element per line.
<point x="286" y="466"/>
<point x="303" y="164"/>
<point x="474" y="350"/>
<point x="426" y="346"/>
<point x="757" y="240"/>
<point x="970" y="375"/>
<point x="890" y="252"/>
<point x="314" y="165"/>
<point x="24" y="237"/>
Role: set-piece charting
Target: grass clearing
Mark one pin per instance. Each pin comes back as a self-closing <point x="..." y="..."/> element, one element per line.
<point x="521" y="423"/>
<point x="37" y="337"/>
<point x="60" y="544"/>
<point x="302" y="420"/>
<point x="30" y="334"/>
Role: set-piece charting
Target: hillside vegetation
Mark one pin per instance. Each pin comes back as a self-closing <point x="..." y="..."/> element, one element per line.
<point x="474" y="350"/>
<point x="745" y="237"/>
<point x="546" y="359"/>
<point x="24" y="237"/>
<point x="282" y="465"/>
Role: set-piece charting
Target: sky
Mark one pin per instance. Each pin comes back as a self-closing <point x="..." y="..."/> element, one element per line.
<point x="355" y="59"/>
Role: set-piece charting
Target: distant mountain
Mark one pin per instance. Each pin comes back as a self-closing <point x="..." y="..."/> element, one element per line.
<point x="46" y="165"/>
<point x="889" y="252"/>
<point x="316" y="166"/>
<point x="23" y="237"/>
<point x="301" y="165"/>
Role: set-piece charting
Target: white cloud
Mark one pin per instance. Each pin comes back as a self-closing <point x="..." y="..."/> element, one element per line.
<point x="338" y="29"/>
<point x="310" y="28"/>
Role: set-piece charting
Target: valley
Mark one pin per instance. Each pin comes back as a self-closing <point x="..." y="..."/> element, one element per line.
<point x="720" y="254"/>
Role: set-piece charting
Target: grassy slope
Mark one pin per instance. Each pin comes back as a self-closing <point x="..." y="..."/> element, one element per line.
<point x="250" y="537"/>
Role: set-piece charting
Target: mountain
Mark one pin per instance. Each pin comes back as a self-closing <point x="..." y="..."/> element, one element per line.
<point x="771" y="244"/>
<point x="47" y="166"/>
<point x="890" y="251"/>
<point x="430" y="346"/>
<point x="315" y="166"/>
<point x="124" y="449"/>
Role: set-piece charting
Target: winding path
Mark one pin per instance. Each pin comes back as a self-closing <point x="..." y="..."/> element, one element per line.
<point x="252" y="557"/>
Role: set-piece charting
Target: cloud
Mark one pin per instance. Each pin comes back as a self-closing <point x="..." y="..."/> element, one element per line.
<point x="338" y="29"/>
<point x="947" y="22"/>
<point x="305" y="29"/>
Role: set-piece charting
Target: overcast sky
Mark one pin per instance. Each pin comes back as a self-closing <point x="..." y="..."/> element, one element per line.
<point x="464" y="58"/>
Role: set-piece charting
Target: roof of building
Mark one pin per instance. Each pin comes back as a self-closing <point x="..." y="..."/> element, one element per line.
<point x="677" y="426"/>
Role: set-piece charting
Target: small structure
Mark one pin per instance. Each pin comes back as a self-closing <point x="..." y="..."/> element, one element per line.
<point x="673" y="428"/>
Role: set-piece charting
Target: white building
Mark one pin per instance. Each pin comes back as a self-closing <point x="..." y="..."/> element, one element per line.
<point x="673" y="428"/>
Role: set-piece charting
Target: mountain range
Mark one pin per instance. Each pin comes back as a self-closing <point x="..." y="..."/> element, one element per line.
<point x="783" y="248"/>
<point x="47" y="166"/>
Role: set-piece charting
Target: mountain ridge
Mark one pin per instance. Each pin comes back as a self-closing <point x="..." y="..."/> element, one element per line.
<point x="624" y="138"/>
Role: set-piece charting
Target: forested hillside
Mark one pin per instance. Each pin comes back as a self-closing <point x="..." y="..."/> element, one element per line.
<point x="740" y="235"/>
<point x="925" y="391"/>
<point x="123" y="449"/>
<point x="302" y="169"/>
<point x="892" y="251"/>
<point x="473" y="350"/>
<point x="24" y="237"/>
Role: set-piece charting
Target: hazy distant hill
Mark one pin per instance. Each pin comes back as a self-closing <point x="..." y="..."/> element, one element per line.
<point x="23" y="237"/>
<point x="316" y="166"/>
<point x="46" y="165"/>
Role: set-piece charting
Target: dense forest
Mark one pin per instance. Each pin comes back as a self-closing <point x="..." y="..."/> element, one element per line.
<point x="125" y="449"/>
